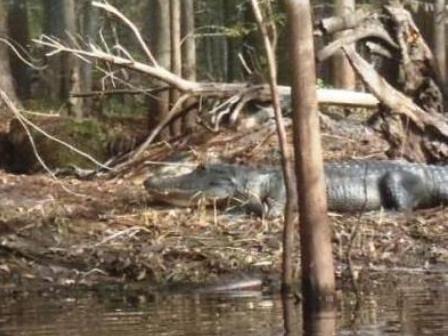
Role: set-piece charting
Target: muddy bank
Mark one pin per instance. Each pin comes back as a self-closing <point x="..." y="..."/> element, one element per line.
<point x="69" y="232"/>
<point x="110" y="232"/>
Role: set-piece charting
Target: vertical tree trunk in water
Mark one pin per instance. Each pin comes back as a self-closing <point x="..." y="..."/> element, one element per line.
<point x="160" y="37"/>
<point x="343" y="74"/>
<point x="6" y="80"/>
<point x="316" y="252"/>
<point x="188" y="52"/>
<point x="19" y="32"/>
<point x="176" y="59"/>
<point x="439" y="37"/>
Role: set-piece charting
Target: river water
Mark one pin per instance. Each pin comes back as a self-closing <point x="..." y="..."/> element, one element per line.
<point x="415" y="306"/>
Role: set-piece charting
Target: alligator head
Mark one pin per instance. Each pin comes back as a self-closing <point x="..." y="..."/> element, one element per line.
<point x="212" y="183"/>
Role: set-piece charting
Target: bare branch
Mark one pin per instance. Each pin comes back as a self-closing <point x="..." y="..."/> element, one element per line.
<point x="25" y="122"/>
<point x="377" y="32"/>
<point x="210" y="89"/>
<point x="118" y="92"/>
<point x="20" y="56"/>
<point x="111" y="9"/>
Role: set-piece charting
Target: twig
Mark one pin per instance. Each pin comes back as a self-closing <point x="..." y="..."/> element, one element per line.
<point x="130" y="231"/>
<point x="216" y="119"/>
<point x="174" y="164"/>
<point x="118" y="92"/>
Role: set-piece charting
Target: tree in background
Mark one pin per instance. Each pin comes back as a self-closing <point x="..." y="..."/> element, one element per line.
<point x="18" y="30"/>
<point x="223" y="31"/>
<point x="160" y="40"/>
<point x="6" y="79"/>
<point x="343" y="74"/>
<point x="64" y="69"/>
<point x="188" y="52"/>
<point x="171" y="33"/>
<point x="89" y="32"/>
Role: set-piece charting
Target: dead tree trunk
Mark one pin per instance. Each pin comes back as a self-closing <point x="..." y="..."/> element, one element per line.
<point x="316" y="253"/>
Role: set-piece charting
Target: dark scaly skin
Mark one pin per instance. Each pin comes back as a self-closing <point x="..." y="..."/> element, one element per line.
<point x="352" y="186"/>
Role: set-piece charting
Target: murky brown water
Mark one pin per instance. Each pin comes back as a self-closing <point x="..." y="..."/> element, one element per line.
<point x="417" y="306"/>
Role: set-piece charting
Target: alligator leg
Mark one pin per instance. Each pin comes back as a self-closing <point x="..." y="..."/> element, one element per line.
<point x="403" y="190"/>
<point x="268" y="207"/>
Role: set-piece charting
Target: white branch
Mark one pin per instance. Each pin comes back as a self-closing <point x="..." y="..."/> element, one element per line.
<point x="111" y="9"/>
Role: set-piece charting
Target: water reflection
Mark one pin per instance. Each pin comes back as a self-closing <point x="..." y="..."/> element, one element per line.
<point x="417" y="305"/>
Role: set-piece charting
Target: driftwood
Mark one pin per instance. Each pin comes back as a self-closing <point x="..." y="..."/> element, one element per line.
<point x="411" y="111"/>
<point x="417" y="135"/>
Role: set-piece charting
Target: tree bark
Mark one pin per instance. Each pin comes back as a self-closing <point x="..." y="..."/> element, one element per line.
<point x="343" y="74"/>
<point x="54" y="26"/>
<point x="188" y="53"/>
<point x="159" y="36"/>
<point x="176" y="59"/>
<point x="19" y="32"/>
<point x="318" y="281"/>
<point x="71" y="64"/>
<point x="6" y="79"/>
<point x="89" y="32"/>
<point x="440" y="38"/>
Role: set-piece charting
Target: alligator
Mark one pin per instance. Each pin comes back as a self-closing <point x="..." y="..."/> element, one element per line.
<point x="352" y="186"/>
